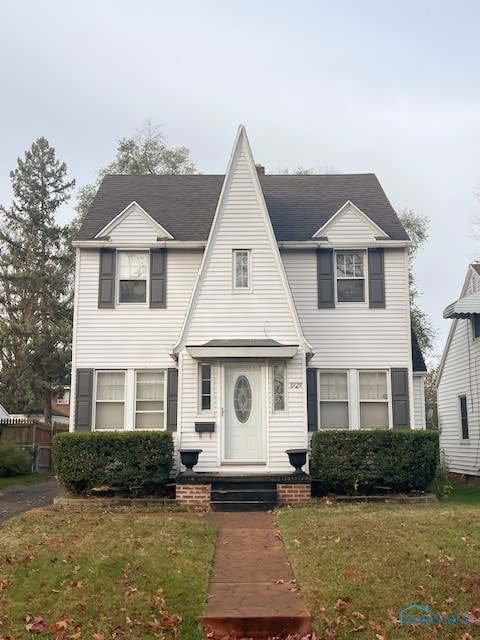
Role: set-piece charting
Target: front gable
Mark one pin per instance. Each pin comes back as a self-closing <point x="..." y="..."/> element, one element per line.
<point x="134" y="224"/>
<point x="350" y="225"/>
<point x="225" y="306"/>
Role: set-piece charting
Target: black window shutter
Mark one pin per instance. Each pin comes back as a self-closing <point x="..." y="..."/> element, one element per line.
<point x="376" y="279"/>
<point x="312" y="402"/>
<point x="400" y="403"/>
<point x="106" y="286"/>
<point x="172" y="399"/>
<point x="83" y="400"/>
<point x="325" y="277"/>
<point x="158" y="278"/>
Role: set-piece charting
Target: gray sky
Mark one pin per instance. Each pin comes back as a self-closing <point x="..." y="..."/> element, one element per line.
<point x="389" y="87"/>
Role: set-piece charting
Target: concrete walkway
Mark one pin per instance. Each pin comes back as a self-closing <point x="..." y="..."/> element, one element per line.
<point x="252" y="591"/>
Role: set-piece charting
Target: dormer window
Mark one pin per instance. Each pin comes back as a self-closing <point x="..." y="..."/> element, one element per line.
<point x="241" y="270"/>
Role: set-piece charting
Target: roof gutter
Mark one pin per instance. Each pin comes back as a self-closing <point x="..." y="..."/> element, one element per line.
<point x="172" y="244"/>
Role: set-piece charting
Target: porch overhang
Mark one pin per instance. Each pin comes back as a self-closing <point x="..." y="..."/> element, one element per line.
<point x="464" y="307"/>
<point x="241" y="348"/>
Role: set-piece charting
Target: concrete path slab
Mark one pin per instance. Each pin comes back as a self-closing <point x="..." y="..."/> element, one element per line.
<point x="252" y="591"/>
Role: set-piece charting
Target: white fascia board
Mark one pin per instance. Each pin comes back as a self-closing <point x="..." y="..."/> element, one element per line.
<point x="316" y="244"/>
<point x="123" y="214"/>
<point x="349" y="204"/>
<point x="242" y="352"/>
<point x="173" y="244"/>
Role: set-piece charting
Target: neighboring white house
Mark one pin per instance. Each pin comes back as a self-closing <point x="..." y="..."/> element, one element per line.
<point x="243" y="311"/>
<point x="458" y="381"/>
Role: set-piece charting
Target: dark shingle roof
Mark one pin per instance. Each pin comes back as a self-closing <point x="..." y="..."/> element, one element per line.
<point x="185" y="205"/>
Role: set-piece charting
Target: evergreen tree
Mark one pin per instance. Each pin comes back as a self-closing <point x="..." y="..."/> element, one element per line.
<point x="35" y="283"/>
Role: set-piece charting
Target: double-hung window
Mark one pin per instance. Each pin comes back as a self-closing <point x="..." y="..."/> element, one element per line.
<point x="150" y="400"/>
<point x="333" y="387"/>
<point x="350" y="275"/>
<point x="373" y="400"/>
<point x="133" y="270"/>
<point x="110" y="400"/>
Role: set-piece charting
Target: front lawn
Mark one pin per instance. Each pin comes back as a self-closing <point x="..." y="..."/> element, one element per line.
<point x="359" y="565"/>
<point x="121" y="575"/>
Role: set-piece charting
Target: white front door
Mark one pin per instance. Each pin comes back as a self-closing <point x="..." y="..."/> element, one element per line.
<point x="244" y="439"/>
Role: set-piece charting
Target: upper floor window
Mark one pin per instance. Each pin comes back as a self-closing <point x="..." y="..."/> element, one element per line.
<point x="241" y="269"/>
<point x="133" y="269"/>
<point x="350" y="271"/>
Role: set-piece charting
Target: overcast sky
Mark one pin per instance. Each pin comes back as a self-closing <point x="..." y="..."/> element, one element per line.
<point x="389" y="87"/>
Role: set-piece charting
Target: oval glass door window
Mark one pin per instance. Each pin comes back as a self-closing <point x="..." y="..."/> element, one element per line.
<point x="242" y="399"/>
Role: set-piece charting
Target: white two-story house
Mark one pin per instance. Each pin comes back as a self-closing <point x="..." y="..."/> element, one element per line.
<point x="243" y="311"/>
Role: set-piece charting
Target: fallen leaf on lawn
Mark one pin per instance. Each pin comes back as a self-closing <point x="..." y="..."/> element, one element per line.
<point x="421" y="591"/>
<point x="37" y="624"/>
<point x="129" y="590"/>
<point x="448" y="600"/>
<point x="341" y="604"/>
<point x="98" y="636"/>
<point x="350" y="572"/>
<point x="296" y="542"/>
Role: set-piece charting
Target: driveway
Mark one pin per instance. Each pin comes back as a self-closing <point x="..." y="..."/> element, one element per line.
<point x="20" y="498"/>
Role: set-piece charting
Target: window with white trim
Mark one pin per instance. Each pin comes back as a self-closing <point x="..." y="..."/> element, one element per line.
<point x="241" y="269"/>
<point x="350" y="276"/>
<point x="150" y="400"/>
<point x="373" y="400"/>
<point x="205" y="386"/>
<point x="132" y="272"/>
<point x="110" y="400"/>
<point x="279" y="381"/>
<point x="333" y="395"/>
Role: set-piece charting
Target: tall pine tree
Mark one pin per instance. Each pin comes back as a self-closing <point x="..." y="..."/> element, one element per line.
<point x="35" y="283"/>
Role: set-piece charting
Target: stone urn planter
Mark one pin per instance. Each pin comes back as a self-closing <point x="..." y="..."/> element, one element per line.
<point x="189" y="458"/>
<point x="297" y="458"/>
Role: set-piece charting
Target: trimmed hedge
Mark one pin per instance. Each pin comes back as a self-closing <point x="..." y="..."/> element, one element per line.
<point x="13" y="461"/>
<point x="353" y="462"/>
<point x="134" y="463"/>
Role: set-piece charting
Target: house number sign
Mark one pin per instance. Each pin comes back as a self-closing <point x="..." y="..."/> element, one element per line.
<point x="296" y="385"/>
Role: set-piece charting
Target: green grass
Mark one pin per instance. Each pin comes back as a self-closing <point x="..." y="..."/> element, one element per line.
<point x="359" y="565"/>
<point x="31" y="478"/>
<point x="122" y="574"/>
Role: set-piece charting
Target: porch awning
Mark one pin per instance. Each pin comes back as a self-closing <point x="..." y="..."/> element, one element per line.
<point x="464" y="307"/>
<point x="241" y="348"/>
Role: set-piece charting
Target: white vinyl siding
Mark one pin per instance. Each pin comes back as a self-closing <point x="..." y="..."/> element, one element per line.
<point x="349" y="227"/>
<point x="419" y="401"/>
<point x="352" y="335"/>
<point x="135" y="226"/>
<point x="131" y="336"/>
<point x="461" y="377"/>
<point x="219" y="312"/>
